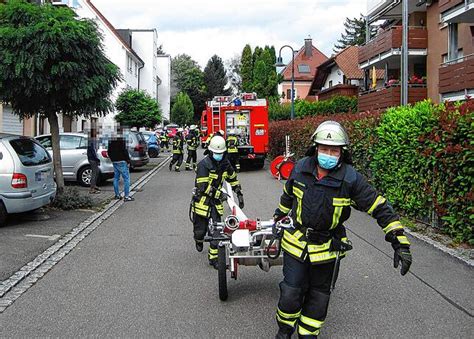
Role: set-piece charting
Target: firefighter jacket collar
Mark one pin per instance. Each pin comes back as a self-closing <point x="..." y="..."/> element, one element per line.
<point x="309" y="166"/>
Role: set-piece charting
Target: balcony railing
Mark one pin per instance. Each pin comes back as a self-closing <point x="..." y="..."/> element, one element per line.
<point x="457" y="75"/>
<point x="445" y="5"/>
<point x="344" y="90"/>
<point x="390" y="97"/>
<point x="392" y="39"/>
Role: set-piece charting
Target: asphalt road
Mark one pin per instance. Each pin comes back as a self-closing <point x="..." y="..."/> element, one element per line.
<point x="139" y="275"/>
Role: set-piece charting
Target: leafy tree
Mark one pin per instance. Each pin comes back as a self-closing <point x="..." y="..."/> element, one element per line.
<point x="53" y="63"/>
<point x="247" y="69"/>
<point x="186" y="76"/>
<point x="137" y="109"/>
<point x="215" y="78"/>
<point x="354" y="33"/>
<point x="182" y="112"/>
<point x="233" y="69"/>
<point x="265" y="78"/>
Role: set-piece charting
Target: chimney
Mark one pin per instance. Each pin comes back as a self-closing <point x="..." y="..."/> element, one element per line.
<point x="308" y="47"/>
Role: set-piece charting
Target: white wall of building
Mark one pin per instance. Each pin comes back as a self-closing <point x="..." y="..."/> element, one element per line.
<point x="336" y="76"/>
<point x="144" y="43"/>
<point x="164" y="87"/>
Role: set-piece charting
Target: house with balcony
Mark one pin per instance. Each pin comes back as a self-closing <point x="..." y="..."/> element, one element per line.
<point x="456" y="73"/>
<point x="440" y="52"/>
<point x="339" y="75"/>
<point x="384" y="51"/>
<point x="306" y="60"/>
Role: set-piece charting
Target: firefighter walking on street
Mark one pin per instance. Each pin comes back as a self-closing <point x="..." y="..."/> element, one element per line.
<point x="178" y="150"/>
<point x="164" y="141"/>
<point x="211" y="173"/>
<point x="319" y="193"/>
<point x="232" y="151"/>
<point x="192" y="141"/>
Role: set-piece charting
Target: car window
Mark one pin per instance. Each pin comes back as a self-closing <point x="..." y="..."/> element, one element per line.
<point x="30" y="152"/>
<point x="69" y="142"/>
<point x="45" y="142"/>
<point x="83" y="144"/>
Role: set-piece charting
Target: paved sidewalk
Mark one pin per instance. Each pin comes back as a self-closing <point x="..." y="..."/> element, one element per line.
<point x="28" y="234"/>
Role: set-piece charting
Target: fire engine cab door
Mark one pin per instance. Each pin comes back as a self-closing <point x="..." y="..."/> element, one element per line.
<point x="238" y="122"/>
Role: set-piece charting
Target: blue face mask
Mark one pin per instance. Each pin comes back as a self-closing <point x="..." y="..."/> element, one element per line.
<point x="327" y="161"/>
<point x="218" y="157"/>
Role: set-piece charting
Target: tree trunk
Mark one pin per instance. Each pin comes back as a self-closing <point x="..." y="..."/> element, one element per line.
<point x="54" y="125"/>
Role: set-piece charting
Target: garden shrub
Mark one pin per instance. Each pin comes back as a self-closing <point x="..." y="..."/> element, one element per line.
<point x="450" y="153"/>
<point x="72" y="199"/>
<point x="397" y="168"/>
<point x="303" y="108"/>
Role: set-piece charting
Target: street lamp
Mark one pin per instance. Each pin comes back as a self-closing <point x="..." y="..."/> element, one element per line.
<point x="280" y="63"/>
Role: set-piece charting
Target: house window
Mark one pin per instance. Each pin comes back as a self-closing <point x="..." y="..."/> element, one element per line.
<point x="136" y="69"/>
<point x="452" y="42"/>
<point x="129" y="63"/>
<point x="304" y="68"/>
<point x="288" y="94"/>
<point x="330" y="83"/>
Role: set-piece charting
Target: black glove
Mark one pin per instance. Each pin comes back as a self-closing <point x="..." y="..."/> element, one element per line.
<point x="240" y="197"/>
<point x="402" y="256"/>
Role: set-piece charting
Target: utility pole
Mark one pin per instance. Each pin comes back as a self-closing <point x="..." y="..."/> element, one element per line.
<point x="404" y="57"/>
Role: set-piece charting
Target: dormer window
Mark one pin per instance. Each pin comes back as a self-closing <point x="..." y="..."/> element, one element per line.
<point x="304" y="68"/>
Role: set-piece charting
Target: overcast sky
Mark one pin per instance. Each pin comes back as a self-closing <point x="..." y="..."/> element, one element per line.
<point x="202" y="28"/>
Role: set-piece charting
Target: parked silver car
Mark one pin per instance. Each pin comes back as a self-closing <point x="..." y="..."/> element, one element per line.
<point x="74" y="157"/>
<point x="136" y="146"/>
<point x="26" y="175"/>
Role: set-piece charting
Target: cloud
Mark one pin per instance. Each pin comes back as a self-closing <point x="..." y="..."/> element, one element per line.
<point x="223" y="27"/>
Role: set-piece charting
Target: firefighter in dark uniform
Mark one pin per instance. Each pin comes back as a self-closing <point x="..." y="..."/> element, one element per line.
<point x="164" y="141"/>
<point x="178" y="150"/>
<point x="232" y="151"/>
<point x="320" y="192"/>
<point x="192" y="141"/>
<point x="211" y="173"/>
<point x="209" y="138"/>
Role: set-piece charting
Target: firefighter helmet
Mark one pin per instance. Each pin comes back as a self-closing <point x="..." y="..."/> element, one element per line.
<point x="192" y="127"/>
<point x="330" y="133"/>
<point x="217" y="144"/>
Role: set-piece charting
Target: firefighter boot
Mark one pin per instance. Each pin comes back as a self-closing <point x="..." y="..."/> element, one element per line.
<point x="177" y="169"/>
<point x="188" y="166"/>
<point x="282" y="335"/>
<point x="170" y="166"/>
<point x="199" y="246"/>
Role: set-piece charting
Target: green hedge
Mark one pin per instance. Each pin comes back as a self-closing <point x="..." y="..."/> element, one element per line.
<point x="303" y="108"/>
<point x="421" y="157"/>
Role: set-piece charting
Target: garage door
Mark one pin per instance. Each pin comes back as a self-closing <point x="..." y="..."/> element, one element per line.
<point x="11" y="123"/>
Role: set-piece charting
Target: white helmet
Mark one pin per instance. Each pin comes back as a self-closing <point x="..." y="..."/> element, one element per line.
<point x="192" y="127"/>
<point x="330" y="133"/>
<point x="180" y="130"/>
<point x="217" y="145"/>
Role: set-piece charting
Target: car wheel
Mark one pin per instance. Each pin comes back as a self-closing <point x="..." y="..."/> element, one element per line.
<point x="3" y="214"/>
<point x="153" y="152"/>
<point x="84" y="176"/>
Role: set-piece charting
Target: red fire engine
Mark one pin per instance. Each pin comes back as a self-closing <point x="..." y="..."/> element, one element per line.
<point x="246" y="116"/>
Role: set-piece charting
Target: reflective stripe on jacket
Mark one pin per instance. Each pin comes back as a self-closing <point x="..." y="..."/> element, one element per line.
<point x="232" y="143"/>
<point x="322" y="206"/>
<point x="178" y="145"/>
<point x="210" y="176"/>
<point x="192" y="142"/>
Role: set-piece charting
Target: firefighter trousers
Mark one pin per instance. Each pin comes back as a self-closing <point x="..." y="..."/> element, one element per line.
<point x="192" y="159"/>
<point x="234" y="161"/>
<point x="163" y="145"/>
<point x="304" y="297"/>
<point x="178" y="160"/>
<point x="201" y="229"/>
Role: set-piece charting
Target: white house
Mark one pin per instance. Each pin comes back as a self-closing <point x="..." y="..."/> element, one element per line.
<point x="154" y="77"/>
<point x="133" y="51"/>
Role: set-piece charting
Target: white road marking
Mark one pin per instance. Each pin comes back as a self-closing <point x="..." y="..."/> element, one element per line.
<point x="49" y="237"/>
